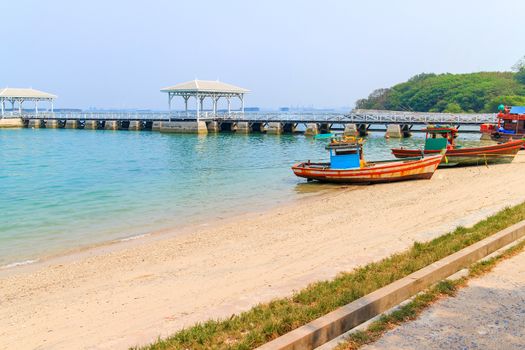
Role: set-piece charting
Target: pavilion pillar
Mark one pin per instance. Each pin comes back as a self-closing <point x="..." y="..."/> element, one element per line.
<point x="170" y="97"/>
<point x="52" y="109"/>
<point x="186" y="98"/>
<point x="215" y="102"/>
<point x="202" y="102"/>
<point x="229" y="106"/>
<point x="36" y="107"/>
<point x="20" y="106"/>
<point x="3" y="106"/>
<point x="242" y="103"/>
<point x="198" y="105"/>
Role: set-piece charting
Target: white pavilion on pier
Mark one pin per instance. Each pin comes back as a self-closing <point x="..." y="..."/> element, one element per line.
<point x="17" y="96"/>
<point x="202" y="89"/>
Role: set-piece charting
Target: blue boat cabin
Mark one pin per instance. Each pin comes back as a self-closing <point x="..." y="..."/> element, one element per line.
<point x="345" y="156"/>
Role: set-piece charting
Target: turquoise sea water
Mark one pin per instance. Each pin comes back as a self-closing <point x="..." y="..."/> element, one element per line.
<point x="62" y="189"/>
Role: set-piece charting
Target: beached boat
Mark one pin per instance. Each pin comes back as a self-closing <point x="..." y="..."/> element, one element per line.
<point x="347" y="165"/>
<point x="511" y="124"/>
<point x="439" y="138"/>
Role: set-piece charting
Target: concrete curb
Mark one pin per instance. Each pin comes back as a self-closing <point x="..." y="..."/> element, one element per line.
<point x="337" y="322"/>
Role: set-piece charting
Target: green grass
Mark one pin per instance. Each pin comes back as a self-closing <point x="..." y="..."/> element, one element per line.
<point x="267" y="321"/>
<point x="422" y="301"/>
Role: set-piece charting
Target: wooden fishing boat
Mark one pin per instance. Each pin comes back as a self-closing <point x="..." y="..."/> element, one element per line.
<point x="439" y="138"/>
<point x="511" y="124"/>
<point x="347" y="165"/>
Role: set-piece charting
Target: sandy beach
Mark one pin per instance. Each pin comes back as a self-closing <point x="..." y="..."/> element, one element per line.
<point x="130" y="294"/>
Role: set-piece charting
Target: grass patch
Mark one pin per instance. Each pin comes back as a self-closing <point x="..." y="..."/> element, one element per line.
<point x="405" y="313"/>
<point x="267" y="321"/>
<point x="422" y="301"/>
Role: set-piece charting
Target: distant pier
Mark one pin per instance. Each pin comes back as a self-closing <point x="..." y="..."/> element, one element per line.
<point x="358" y="122"/>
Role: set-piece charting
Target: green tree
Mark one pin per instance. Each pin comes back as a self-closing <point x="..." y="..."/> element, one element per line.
<point x="425" y="92"/>
<point x="519" y="68"/>
<point x="492" y="105"/>
<point x="520" y="76"/>
<point x="453" y="108"/>
<point x="376" y="100"/>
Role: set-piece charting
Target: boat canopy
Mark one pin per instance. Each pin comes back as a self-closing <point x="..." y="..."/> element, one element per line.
<point x="435" y="144"/>
<point x="446" y="137"/>
<point x="517" y="110"/>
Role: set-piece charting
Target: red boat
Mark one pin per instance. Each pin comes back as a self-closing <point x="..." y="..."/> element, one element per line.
<point x="511" y="124"/>
<point x="439" y="138"/>
<point x="348" y="166"/>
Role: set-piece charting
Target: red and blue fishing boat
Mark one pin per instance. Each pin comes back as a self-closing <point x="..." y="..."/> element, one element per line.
<point x="443" y="137"/>
<point x="511" y="124"/>
<point x="347" y="165"/>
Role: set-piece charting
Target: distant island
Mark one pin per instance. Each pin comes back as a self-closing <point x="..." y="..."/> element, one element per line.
<point x="453" y="93"/>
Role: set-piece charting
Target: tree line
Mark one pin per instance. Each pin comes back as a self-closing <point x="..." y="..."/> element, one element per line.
<point x="453" y="93"/>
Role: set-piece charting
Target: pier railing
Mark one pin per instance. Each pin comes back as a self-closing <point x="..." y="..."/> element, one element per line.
<point x="356" y="117"/>
<point x="363" y="116"/>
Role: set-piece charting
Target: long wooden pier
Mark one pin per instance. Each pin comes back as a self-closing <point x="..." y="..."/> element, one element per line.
<point x="357" y="122"/>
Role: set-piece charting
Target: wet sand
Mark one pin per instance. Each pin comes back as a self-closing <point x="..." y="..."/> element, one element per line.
<point x="121" y="295"/>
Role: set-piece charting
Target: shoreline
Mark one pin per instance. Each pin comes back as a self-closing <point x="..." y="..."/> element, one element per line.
<point x="125" y="297"/>
<point x="68" y="255"/>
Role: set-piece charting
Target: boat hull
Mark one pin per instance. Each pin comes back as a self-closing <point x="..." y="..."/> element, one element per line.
<point x="493" y="154"/>
<point x="376" y="173"/>
<point x="502" y="137"/>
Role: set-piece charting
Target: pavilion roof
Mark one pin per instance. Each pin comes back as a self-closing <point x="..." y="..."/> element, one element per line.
<point x="205" y="86"/>
<point x="25" y="93"/>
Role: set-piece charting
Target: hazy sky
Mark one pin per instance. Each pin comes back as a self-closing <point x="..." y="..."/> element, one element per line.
<point x="118" y="54"/>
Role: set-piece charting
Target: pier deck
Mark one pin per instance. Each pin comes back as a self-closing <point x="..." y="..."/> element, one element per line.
<point x="359" y="116"/>
<point x="358" y="122"/>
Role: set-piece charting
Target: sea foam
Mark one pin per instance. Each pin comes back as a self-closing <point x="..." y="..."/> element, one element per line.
<point x="18" y="263"/>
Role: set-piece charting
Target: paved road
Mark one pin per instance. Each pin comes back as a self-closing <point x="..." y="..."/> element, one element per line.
<point x="488" y="314"/>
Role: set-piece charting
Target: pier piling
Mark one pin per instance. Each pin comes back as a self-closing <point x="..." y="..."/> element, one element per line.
<point x="394" y="131"/>
<point x="11" y="122"/>
<point x="91" y="124"/>
<point x="35" y="123"/>
<point x="274" y="128"/>
<point x="71" y="124"/>
<point x="213" y="126"/>
<point x="52" y="123"/>
<point x="351" y="130"/>
<point x="135" y="125"/>
<point x="111" y="125"/>
<point x="156" y="126"/>
<point x="398" y="131"/>
<point x="187" y="127"/>
<point x="243" y="127"/>
<point x="312" y="129"/>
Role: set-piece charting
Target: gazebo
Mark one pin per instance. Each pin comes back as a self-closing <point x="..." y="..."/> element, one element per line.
<point x="18" y="95"/>
<point x="201" y="89"/>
